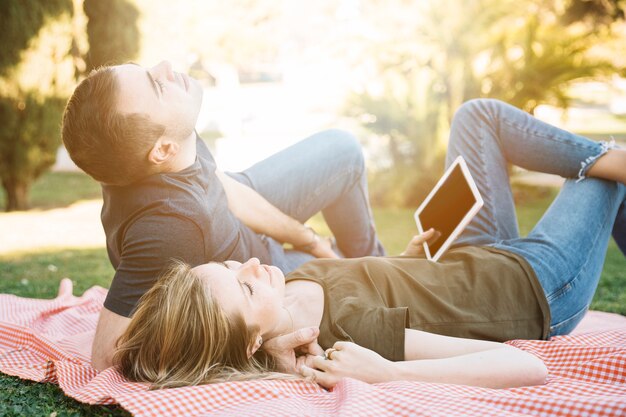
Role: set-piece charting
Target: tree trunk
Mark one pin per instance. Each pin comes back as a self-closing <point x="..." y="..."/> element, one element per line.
<point x="17" y="195"/>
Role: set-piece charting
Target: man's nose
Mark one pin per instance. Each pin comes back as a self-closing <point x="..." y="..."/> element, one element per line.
<point x="165" y="68"/>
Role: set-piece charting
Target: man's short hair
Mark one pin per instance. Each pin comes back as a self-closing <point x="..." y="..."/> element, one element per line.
<point x="110" y="146"/>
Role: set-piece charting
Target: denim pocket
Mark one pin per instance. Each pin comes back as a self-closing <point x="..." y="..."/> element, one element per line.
<point x="567" y="325"/>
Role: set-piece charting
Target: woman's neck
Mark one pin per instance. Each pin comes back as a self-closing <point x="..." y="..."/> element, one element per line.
<point x="303" y="306"/>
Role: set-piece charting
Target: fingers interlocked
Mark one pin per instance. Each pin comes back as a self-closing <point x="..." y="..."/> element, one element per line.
<point x="329" y="353"/>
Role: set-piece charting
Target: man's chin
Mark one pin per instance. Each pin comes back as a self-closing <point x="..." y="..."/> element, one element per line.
<point x="195" y="88"/>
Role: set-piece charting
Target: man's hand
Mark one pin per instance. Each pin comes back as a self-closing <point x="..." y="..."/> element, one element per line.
<point x="347" y="359"/>
<point x="416" y="245"/>
<point x="324" y="249"/>
<point x="284" y="348"/>
<point x="320" y="247"/>
<point x="262" y="217"/>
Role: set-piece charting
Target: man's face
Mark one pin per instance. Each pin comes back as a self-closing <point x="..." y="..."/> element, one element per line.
<point x="169" y="98"/>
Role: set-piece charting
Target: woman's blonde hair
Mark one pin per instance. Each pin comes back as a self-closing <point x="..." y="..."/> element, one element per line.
<point x="179" y="336"/>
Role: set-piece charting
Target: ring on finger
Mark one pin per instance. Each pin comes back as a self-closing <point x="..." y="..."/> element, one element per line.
<point x="329" y="353"/>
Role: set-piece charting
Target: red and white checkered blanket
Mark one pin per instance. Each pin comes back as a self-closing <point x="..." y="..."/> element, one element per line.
<point x="50" y="341"/>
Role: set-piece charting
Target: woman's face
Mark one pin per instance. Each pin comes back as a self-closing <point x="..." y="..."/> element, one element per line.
<point x="253" y="290"/>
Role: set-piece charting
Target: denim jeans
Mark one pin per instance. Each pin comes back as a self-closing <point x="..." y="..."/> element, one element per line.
<point x="566" y="248"/>
<point x="324" y="172"/>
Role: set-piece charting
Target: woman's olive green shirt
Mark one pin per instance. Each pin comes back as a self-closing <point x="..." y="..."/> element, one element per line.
<point x="472" y="292"/>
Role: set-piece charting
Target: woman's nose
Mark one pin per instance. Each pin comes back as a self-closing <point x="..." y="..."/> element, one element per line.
<point x="252" y="264"/>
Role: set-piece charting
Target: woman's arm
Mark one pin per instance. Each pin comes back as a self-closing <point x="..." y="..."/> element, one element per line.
<point x="434" y="358"/>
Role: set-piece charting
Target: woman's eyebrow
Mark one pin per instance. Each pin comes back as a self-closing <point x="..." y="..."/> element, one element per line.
<point x="245" y="293"/>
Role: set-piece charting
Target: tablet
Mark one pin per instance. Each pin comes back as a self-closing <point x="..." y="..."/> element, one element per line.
<point x="449" y="207"/>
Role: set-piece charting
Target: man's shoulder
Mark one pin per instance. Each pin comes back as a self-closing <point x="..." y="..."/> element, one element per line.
<point x="164" y="226"/>
<point x="188" y="194"/>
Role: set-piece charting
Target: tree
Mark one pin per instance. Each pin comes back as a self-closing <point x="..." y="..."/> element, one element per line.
<point x="445" y="52"/>
<point x="32" y="151"/>
<point x="535" y="61"/>
<point x="36" y="75"/>
<point x="595" y="12"/>
<point x="112" y="32"/>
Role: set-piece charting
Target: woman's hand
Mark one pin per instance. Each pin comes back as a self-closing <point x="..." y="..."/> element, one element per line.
<point x="347" y="359"/>
<point x="416" y="245"/>
<point x="284" y="348"/>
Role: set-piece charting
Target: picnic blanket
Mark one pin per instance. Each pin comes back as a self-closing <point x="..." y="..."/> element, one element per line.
<point x="50" y="341"/>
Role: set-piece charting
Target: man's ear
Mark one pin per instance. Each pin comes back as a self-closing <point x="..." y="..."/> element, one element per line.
<point x="163" y="150"/>
<point x="258" y="341"/>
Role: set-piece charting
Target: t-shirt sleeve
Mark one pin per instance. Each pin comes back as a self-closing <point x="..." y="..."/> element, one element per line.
<point x="149" y="246"/>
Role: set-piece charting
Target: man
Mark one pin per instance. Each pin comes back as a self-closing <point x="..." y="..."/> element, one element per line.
<point x="132" y="129"/>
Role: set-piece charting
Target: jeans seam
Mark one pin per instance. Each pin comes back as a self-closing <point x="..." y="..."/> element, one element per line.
<point x="483" y="167"/>
<point x="545" y="136"/>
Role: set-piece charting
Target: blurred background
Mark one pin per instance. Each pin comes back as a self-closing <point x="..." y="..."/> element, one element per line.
<point x="274" y="71"/>
<point x="392" y="72"/>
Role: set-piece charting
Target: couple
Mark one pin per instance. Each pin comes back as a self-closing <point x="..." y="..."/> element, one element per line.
<point x="221" y="313"/>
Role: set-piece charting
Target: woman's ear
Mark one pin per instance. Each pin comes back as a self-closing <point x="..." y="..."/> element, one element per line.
<point x="258" y="341"/>
<point x="163" y="150"/>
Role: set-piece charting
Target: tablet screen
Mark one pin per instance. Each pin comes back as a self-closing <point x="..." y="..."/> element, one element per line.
<point x="448" y="206"/>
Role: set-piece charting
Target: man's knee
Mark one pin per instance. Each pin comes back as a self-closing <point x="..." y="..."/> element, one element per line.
<point x="343" y="146"/>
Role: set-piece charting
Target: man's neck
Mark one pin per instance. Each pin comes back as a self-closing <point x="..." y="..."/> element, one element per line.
<point x="185" y="157"/>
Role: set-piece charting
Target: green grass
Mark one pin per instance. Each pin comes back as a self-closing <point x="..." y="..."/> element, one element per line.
<point x="20" y="398"/>
<point x="60" y="189"/>
<point x="38" y="274"/>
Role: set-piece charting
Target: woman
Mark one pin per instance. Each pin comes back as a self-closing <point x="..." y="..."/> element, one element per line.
<point x="404" y="317"/>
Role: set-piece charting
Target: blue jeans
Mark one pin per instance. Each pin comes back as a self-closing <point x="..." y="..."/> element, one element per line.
<point x="324" y="172"/>
<point x="566" y="248"/>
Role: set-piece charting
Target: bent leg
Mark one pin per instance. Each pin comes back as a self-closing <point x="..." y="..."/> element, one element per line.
<point x="491" y="134"/>
<point x="325" y="172"/>
<point x="619" y="229"/>
<point x="567" y="247"/>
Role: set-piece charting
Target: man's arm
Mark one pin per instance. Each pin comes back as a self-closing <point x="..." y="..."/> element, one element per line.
<point x="262" y="217"/>
<point x="110" y="327"/>
<point x="149" y="245"/>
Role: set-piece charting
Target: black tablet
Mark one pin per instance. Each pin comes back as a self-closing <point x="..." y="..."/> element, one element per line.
<point x="449" y="207"/>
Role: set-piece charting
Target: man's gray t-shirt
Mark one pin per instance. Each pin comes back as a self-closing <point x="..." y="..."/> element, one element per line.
<point x="182" y="215"/>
